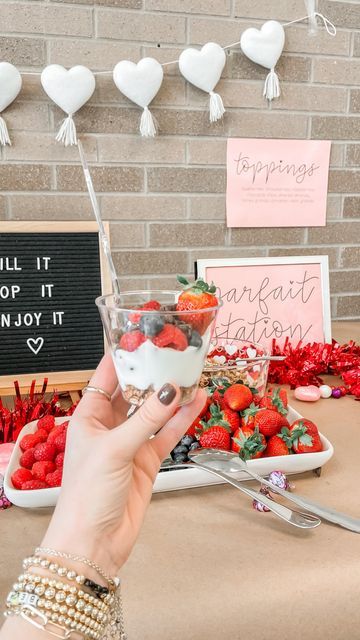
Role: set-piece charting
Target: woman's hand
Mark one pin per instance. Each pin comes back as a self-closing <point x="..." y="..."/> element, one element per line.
<point x="110" y="466"/>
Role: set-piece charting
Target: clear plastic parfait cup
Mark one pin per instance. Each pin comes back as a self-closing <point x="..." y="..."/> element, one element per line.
<point x="152" y="343"/>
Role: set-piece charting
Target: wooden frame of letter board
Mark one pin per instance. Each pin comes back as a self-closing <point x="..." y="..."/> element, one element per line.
<point x="62" y="380"/>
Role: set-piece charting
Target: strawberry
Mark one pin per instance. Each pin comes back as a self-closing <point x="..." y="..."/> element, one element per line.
<point x="152" y="305"/>
<point x="248" y="416"/>
<point x="42" y="435"/>
<point x="195" y="297"/>
<point x="248" y="444"/>
<point x="132" y="340"/>
<point x="29" y="441"/>
<point x="276" y="447"/>
<point x="59" y="460"/>
<point x="171" y="336"/>
<point x="54" y="479"/>
<point x="20" y="476"/>
<point x="31" y="485"/>
<point x="238" y="397"/>
<point x="47" y="423"/>
<point x="216" y="437"/>
<point x="45" y="451"/>
<point x="232" y="417"/>
<point x="269" y="422"/>
<point x="305" y="436"/>
<point x="42" y="468"/>
<point x="27" y="459"/>
<point x="60" y="442"/>
<point x="275" y="399"/>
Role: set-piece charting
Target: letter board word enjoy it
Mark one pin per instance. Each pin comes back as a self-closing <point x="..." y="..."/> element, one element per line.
<point x="50" y="275"/>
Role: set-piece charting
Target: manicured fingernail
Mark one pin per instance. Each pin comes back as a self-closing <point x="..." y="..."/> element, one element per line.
<point x="167" y="394"/>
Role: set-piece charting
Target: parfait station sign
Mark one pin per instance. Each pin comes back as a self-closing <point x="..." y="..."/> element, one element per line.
<point x="48" y="284"/>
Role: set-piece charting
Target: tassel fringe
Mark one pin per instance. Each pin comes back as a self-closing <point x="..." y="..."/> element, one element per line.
<point x="4" y="134"/>
<point x="147" y="124"/>
<point x="67" y="132"/>
<point x="272" y="86"/>
<point x="217" y="109"/>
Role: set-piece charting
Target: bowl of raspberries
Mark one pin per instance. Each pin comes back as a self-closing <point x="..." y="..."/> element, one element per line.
<point x="34" y="474"/>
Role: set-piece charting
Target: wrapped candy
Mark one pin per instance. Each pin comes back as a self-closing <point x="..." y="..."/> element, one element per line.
<point x="277" y="479"/>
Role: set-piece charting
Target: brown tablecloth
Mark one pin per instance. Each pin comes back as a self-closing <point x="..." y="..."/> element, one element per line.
<point x="207" y="566"/>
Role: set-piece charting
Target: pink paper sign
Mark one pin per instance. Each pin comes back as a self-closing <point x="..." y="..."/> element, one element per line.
<point x="279" y="298"/>
<point x="277" y="183"/>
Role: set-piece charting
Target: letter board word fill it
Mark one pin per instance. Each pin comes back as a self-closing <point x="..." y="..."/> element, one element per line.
<point x="50" y="275"/>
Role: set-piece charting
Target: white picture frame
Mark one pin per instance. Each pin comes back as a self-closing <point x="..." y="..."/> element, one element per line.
<point x="206" y="269"/>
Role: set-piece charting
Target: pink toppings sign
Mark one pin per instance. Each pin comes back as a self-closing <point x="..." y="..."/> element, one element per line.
<point x="267" y="298"/>
<point x="277" y="183"/>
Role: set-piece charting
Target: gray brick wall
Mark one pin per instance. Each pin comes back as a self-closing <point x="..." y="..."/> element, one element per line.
<point x="165" y="198"/>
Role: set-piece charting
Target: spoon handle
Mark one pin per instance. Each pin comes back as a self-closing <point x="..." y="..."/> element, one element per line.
<point x="295" y="518"/>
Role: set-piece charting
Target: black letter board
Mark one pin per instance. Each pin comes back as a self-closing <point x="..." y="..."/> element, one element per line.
<point x="50" y="275"/>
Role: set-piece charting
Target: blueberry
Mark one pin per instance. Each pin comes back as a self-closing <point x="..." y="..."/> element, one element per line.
<point x="151" y="324"/>
<point x="195" y="340"/>
<point x="195" y="445"/>
<point x="180" y="448"/>
<point x="187" y="440"/>
<point x="180" y="457"/>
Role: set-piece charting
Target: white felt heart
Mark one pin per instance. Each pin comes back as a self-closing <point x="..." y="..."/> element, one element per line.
<point x="69" y="89"/>
<point x="10" y="84"/>
<point x="231" y="349"/>
<point x="139" y="82"/>
<point x="219" y="359"/>
<point x="264" y="46"/>
<point x="203" y="68"/>
<point x="251" y="352"/>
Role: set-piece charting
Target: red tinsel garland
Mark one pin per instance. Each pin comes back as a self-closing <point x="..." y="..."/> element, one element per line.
<point x="26" y="409"/>
<point x="304" y="364"/>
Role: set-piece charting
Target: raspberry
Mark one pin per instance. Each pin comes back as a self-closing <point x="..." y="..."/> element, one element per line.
<point x="30" y="485"/>
<point x="47" y="423"/>
<point x="131" y="341"/>
<point x="27" y="459"/>
<point x="29" y="441"/>
<point x="55" y="433"/>
<point x="41" y="434"/>
<point x="171" y="336"/>
<point x="60" y="442"/>
<point x="20" y="476"/>
<point x="59" y="460"/>
<point x="152" y="305"/>
<point x="45" y="451"/>
<point x="54" y="479"/>
<point x="41" y="469"/>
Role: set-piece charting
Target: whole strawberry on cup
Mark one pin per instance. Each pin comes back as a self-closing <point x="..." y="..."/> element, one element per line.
<point x="160" y="336"/>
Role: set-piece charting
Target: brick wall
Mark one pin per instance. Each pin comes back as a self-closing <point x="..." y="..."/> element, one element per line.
<point x="165" y="198"/>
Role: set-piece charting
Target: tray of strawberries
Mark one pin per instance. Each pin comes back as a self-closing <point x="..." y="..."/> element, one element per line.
<point x="264" y="431"/>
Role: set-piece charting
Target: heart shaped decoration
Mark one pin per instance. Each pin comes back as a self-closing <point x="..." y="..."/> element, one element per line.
<point x="139" y="82"/>
<point x="231" y="349"/>
<point x="252" y="353"/>
<point x="10" y="84"/>
<point x="35" y="345"/>
<point x="219" y="359"/>
<point x="69" y="89"/>
<point x="264" y="46"/>
<point x="203" y="69"/>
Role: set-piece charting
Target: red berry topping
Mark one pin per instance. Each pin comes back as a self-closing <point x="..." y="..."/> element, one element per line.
<point x="47" y="423"/>
<point x="45" y="451"/>
<point x="41" y="469"/>
<point x="27" y="459"/>
<point x="60" y="442"/>
<point x="20" y="476"/>
<point x="59" y="460"/>
<point x="29" y="441"/>
<point x="41" y="435"/>
<point x="152" y="305"/>
<point x="56" y="432"/>
<point x="31" y="485"/>
<point x="54" y="479"/>
<point x="171" y="336"/>
<point x="132" y="340"/>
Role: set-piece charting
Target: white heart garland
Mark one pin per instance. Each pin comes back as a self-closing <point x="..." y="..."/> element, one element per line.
<point x="70" y="90"/>
<point x="10" y="85"/>
<point x="203" y="69"/>
<point x="264" y="46"/>
<point x="140" y="83"/>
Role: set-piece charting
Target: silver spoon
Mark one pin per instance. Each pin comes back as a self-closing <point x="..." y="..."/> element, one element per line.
<point x="297" y="519"/>
<point x="231" y="463"/>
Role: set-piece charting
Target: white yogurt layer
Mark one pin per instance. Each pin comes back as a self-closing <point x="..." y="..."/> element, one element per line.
<point x="152" y="365"/>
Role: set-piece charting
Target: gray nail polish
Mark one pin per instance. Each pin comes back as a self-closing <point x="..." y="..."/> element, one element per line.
<point x="167" y="394"/>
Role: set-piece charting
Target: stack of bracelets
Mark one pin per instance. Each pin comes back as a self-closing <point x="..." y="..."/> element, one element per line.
<point x="85" y="608"/>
